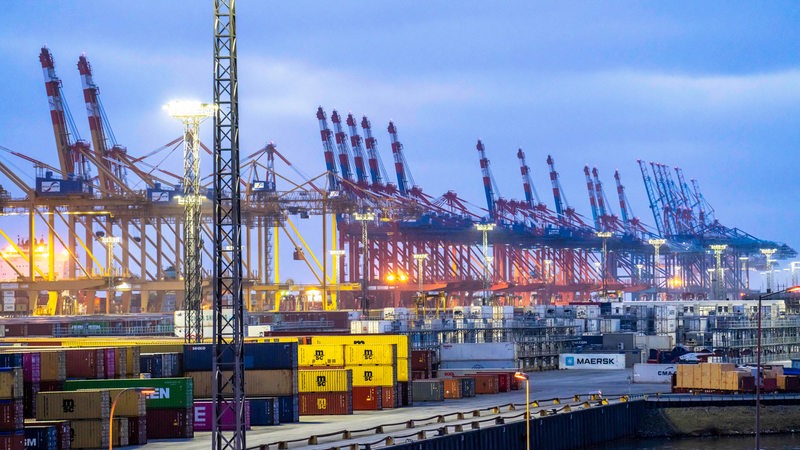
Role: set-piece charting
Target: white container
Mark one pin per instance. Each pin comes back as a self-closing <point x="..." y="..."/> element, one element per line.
<point x="507" y="364"/>
<point x="482" y="351"/>
<point x="606" y="361"/>
<point x="396" y="314"/>
<point x="582" y="311"/>
<point x="609" y="325"/>
<point x="653" y="373"/>
<point x="258" y="330"/>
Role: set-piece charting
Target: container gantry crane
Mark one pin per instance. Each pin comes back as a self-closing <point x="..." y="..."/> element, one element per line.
<point x="358" y="151"/>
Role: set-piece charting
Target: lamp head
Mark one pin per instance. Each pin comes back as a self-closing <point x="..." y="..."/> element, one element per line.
<point x="521" y="376"/>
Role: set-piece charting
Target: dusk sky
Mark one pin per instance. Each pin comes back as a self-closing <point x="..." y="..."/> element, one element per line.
<point x="713" y="88"/>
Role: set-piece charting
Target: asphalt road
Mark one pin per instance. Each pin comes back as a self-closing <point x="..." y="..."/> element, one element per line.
<point x="544" y="386"/>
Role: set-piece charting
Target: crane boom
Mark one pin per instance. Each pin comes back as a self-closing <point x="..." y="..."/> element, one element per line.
<point x="341" y="145"/>
<point x="531" y="196"/>
<point x="327" y="144"/>
<point x="592" y="197"/>
<point x="358" y="152"/>
<point x="399" y="162"/>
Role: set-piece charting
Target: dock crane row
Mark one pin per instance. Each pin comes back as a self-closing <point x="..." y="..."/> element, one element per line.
<point x="99" y="190"/>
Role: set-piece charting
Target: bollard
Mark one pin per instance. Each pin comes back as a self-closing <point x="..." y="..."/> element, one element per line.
<point x="410" y="424"/>
<point x="379" y="429"/>
<point x="476" y="425"/>
<point x="312" y="440"/>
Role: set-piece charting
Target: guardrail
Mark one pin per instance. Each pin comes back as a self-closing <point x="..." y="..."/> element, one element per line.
<point x="466" y="421"/>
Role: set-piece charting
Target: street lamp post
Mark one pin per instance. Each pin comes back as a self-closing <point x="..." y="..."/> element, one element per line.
<point x="524" y="376"/>
<point x="758" y="359"/>
<point x="768" y="252"/>
<point x="336" y="254"/>
<point x="420" y="257"/>
<point x="110" y="242"/>
<point x="364" y="218"/>
<point x="143" y="390"/>
<point x="485" y="228"/>
<point x="719" y="287"/>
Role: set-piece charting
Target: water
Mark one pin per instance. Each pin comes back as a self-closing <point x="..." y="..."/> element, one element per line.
<point x="768" y="442"/>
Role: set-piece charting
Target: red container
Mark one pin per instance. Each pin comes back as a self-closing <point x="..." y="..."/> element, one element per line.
<point x="406" y="397"/>
<point x="170" y="423"/>
<point x="85" y="363"/>
<point x="31" y="366"/>
<point x="367" y="398"/>
<point x="421" y="360"/>
<point x="770" y="385"/>
<point x="452" y="388"/>
<point x="390" y="396"/>
<point x="109" y="360"/>
<point x="137" y="430"/>
<point x="747" y="384"/>
<point x="62" y="428"/>
<point x="204" y="418"/>
<point x="11" y="415"/>
<point x="323" y="403"/>
<point x="12" y="441"/>
<point x="419" y="375"/>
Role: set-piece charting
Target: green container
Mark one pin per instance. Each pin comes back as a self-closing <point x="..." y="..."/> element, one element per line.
<point x="172" y="393"/>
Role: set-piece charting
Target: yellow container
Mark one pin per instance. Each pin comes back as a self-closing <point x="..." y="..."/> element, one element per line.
<point x="370" y="355"/>
<point x="401" y="340"/>
<point x="75" y="405"/>
<point x="11" y="384"/>
<point x="403" y="369"/>
<point x="258" y="383"/>
<point x="374" y="375"/>
<point x="92" y="433"/>
<point x="335" y="380"/>
<point x="320" y="355"/>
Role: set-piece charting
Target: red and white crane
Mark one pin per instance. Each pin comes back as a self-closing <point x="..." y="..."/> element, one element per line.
<point x="358" y="152"/>
<point x="342" y="147"/>
<point x="403" y="175"/>
<point x="327" y="145"/>
<point x="592" y="197"/>
<point x="376" y="171"/>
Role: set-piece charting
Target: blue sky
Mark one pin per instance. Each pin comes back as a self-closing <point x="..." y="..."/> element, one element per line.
<point x="710" y="87"/>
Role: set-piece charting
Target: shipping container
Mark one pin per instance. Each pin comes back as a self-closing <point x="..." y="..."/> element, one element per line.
<point x="204" y="418"/>
<point x="85" y="363"/>
<point x="478" y="352"/>
<point x="428" y="390"/>
<point x="370" y="355"/>
<point x="137" y="430"/>
<point x="62" y="430"/>
<point x="258" y="383"/>
<point x="336" y="380"/>
<point x="403" y="369"/>
<point x="129" y="402"/>
<point x="323" y="403"/>
<point x="110" y="362"/>
<point x="32" y="367"/>
<point x="452" y="388"/>
<point x="368" y="398"/>
<point x="53" y="365"/>
<point x="264" y="411"/>
<point x="12" y="415"/>
<point x="257" y="356"/>
<point x="170" y="423"/>
<point x="12" y="440"/>
<point x="29" y="399"/>
<point x="486" y="384"/>
<point x="421" y="360"/>
<point x="373" y="375"/>
<point x="89" y="433"/>
<point x="467" y="387"/>
<point x="170" y="393"/>
<point x="41" y="437"/>
<point x="406" y="393"/>
<point x="10" y="359"/>
<point x="58" y="405"/>
<point x="390" y="396"/>
<point x="288" y="409"/>
<point x="320" y="355"/>
<point x="11" y="383"/>
<point x="401" y="340"/>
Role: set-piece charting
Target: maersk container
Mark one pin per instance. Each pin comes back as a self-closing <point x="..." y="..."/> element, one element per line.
<point x="374" y="375"/>
<point x="257" y="356"/>
<point x="259" y="383"/>
<point x="264" y="411"/>
<point x="428" y="390"/>
<point x="368" y="398"/>
<point x="324" y="403"/>
<point x="336" y="380"/>
<point x="370" y="355"/>
<point x="320" y="355"/>
<point x="170" y="393"/>
<point x="11" y="415"/>
<point x="289" y="409"/>
<point x="41" y="437"/>
<point x="11" y="384"/>
<point x="204" y="418"/>
<point x="59" y="405"/>
<point x="170" y="423"/>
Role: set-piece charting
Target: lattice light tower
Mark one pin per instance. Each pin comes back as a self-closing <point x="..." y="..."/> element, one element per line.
<point x="228" y="350"/>
<point x="656" y="243"/>
<point x="364" y="218"/>
<point x="719" y="284"/>
<point x="191" y="114"/>
<point x="485" y="228"/>
<point x="110" y="242"/>
<point x="604" y="235"/>
<point x="768" y="252"/>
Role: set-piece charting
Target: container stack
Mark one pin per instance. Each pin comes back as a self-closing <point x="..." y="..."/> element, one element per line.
<point x="169" y="412"/>
<point x="421" y="364"/>
<point x="62" y="428"/>
<point x="204" y="416"/>
<point x="12" y="434"/>
<point x="270" y="371"/>
<point x="86" y="363"/>
<point x="88" y="412"/>
<point x="714" y="377"/>
<point x="326" y="392"/>
<point x="375" y="368"/>
<point x="161" y="365"/>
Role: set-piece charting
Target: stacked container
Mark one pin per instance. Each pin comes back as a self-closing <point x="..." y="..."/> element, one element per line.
<point x="12" y="435"/>
<point x="88" y="412"/>
<point x="421" y="364"/>
<point x="161" y="365"/>
<point x="169" y="412"/>
<point x="264" y="411"/>
<point x="270" y="371"/>
<point x="325" y="392"/>
<point x="62" y="428"/>
<point x="373" y="366"/>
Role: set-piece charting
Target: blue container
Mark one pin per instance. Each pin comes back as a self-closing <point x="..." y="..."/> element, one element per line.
<point x="10" y="359"/>
<point x="257" y="356"/>
<point x="173" y="364"/>
<point x="288" y="409"/>
<point x="153" y="364"/>
<point x="41" y="437"/>
<point x="264" y="411"/>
